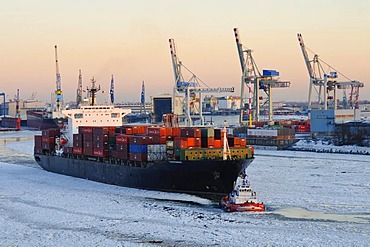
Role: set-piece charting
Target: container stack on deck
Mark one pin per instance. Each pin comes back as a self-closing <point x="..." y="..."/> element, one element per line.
<point x="144" y="144"/>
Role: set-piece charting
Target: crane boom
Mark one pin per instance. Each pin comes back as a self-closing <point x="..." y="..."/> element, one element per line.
<point x="79" y="89"/>
<point x="240" y="49"/>
<point x="305" y="56"/>
<point x="111" y="91"/>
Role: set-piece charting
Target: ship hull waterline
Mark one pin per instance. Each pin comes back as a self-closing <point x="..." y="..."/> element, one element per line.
<point x="205" y="178"/>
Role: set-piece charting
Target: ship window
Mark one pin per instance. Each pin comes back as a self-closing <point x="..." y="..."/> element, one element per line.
<point x="79" y="115"/>
<point x="114" y="115"/>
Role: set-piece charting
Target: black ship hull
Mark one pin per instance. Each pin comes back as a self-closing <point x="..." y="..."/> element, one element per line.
<point x="39" y="120"/>
<point x="207" y="178"/>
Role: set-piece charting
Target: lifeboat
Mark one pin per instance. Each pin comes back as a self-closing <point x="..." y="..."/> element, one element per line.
<point x="242" y="198"/>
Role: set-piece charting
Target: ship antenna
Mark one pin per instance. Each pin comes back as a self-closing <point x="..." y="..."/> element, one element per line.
<point x="226" y="150"/>
<point x="92" y="91"/>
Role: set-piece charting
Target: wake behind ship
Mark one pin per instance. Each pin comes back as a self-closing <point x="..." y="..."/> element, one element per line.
<point x="96" y="146"/>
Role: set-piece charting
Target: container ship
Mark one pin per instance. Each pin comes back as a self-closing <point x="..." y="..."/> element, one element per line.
<point x="95" y="145"/>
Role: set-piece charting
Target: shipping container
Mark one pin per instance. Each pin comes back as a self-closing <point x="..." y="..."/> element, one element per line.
<point x="142" y="157"/>
<point x="135" y="148"/>
<point x="101" y="153"/>
<point x="50" y="139"/>
<point x="38" y="141"/>
<point x="77" y="150"/>
<point x="48" y="146"/>
<point x="141" y="140"/>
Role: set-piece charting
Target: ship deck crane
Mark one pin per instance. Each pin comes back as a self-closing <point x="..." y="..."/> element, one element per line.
<point x="254" y="81"/>
<point x="326" y="84"/>
<point x="189" y="87"/>
<point x="58" y="91"/>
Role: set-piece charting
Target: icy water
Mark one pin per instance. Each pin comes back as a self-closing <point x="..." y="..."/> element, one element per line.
<point x="313" y="199"/>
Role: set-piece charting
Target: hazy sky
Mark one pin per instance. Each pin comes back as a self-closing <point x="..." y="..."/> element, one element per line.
<point x="130" y="40"/>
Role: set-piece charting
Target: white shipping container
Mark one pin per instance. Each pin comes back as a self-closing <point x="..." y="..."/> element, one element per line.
<point x="262" y="132"/>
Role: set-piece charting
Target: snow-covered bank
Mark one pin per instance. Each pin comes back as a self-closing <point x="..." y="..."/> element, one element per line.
<point x="326" y="147"/>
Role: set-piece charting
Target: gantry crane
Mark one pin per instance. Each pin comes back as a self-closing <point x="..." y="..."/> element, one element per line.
<point x="255" y="81"/>
<point x="325" y="83"/>
<point x="79" y="90"/>
<point x="58" y="91"/>
<point x="189" y="87"/>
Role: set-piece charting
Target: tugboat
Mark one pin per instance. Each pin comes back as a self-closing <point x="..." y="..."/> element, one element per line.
<point x="242" y="198"/>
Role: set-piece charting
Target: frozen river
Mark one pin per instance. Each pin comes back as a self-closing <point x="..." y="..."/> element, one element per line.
<point x="313" y="199"/>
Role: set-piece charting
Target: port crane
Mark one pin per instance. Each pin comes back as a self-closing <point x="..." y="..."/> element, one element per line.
<point x="58" y="91"/>
<point x="190" y="87"/>
<point x="79" y="90"/>
<point x="326" y="84"/>
<point x="111" y="91"/>
<point x="255" y="82"/>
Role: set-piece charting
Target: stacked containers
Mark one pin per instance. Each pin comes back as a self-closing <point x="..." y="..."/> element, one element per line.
<point x="101" y="141"/>
<point x="38" y="145"/>
<point x="122" y="144"/>
<point x="138" y="148"/>
<point x="48" y="139"/>
<point x="77" y="143"/>
<point x="87" y="137"/>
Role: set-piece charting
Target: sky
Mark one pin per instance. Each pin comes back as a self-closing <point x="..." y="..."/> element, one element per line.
<point x="129" y="39"/>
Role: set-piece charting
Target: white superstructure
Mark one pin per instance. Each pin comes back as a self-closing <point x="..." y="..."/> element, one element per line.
<point x="97" y="115"/>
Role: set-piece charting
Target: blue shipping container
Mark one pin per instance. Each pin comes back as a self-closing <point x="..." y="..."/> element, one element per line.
<point x="270" y="72"/>
<point x="138" y="148"/>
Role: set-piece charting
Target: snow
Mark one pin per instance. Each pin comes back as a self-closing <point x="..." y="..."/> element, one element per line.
<point x="313" y="199"/>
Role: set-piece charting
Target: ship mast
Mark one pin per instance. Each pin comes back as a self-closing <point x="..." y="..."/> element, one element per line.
<point x="226" y="150"/>
<point x="92" y="91"/>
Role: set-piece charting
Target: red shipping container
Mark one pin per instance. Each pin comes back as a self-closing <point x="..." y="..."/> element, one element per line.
<point x="77" y="150"/>
<point x="38" y="141"/>
<point x="85" y="130"/>
<point x="198" y="142"/>
<point x="48" y="139"/>
<point x="142" y="157"/>
<point x="67" y="150"/>
<point x="122" y="139"/>
<point x="88" y="151"/>
<point x="101" y="153"/>
<point x="48" y="146"/>
<point x="77" y="137"/>
<point x="87" y="137"/>
<point x="141" y="140"/>
<point x="176" y="132"/>
<point x="169" y="131"/>
<point x="243" y="142"/>
<point x="180" y="142"/>
<point x="101" y="145"/>
<point x="122" y="147"/>
<point x="217" y="143"/>
<point x="237" y="141"/>
<point x="88" y="145"/>
<point x="100" y="130"/>
<point x="100" y="137"/>
<point x="37" y="150"/>
<point x="157" y="131"/>
<point x="78" y="144"/>
<point x="191" y="142"/>
<point x="51" y="132"/>
<point x="129" y="131"/>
